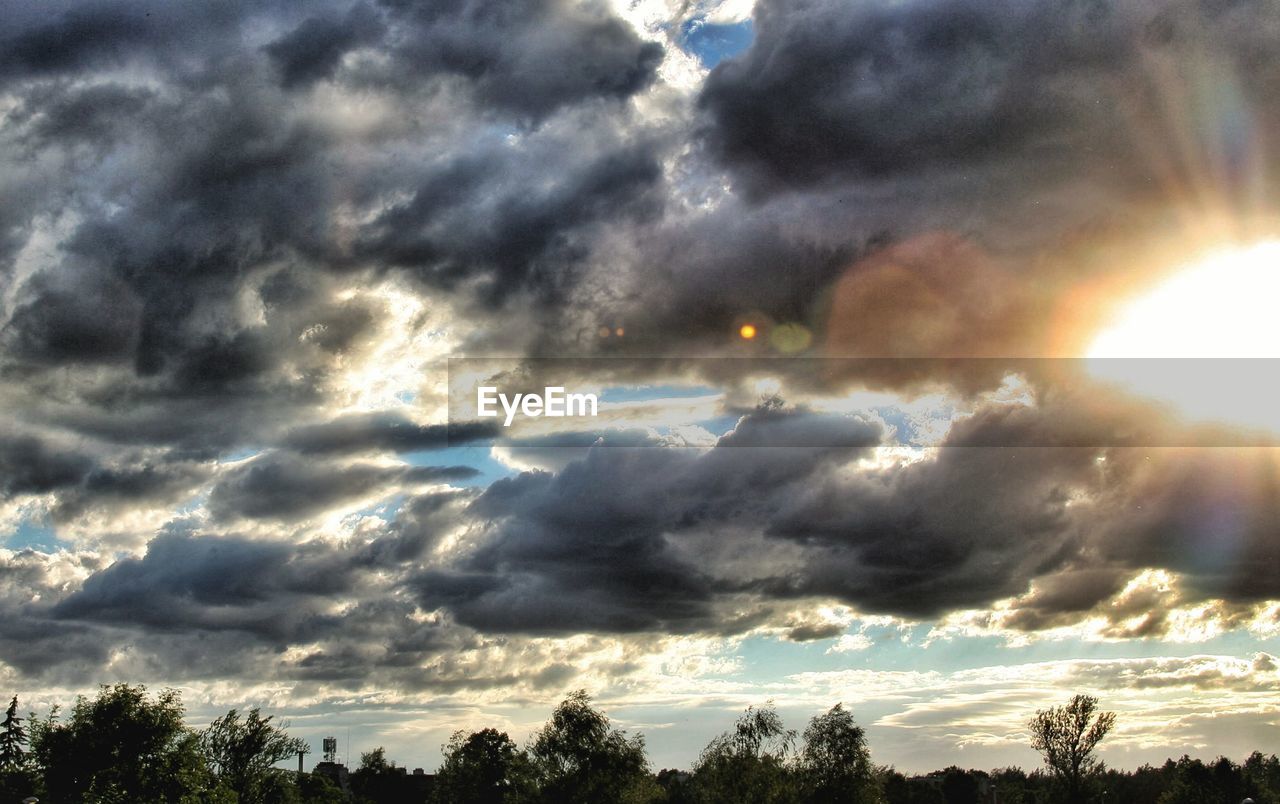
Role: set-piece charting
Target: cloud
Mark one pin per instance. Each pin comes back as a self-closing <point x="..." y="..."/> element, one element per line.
<point x="289" y="488"/>
<point x="313" y="50"/>
<point x="29" y="466"/>
<point x="381" y="431"/>
<point x="529" y="59"/>
<point x="988" y="91"/>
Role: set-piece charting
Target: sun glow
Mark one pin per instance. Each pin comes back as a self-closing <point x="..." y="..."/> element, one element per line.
<point x="1224" y="306"/>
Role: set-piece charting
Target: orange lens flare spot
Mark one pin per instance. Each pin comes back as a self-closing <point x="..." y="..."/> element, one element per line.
<point x="747" y="331"/>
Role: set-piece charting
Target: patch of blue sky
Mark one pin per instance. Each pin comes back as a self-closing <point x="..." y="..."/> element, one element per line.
<point x="193" y="504"/>
<point x="720" y="425"/>
<point x="34" y="535"/>
<point x="649" y="393"/>
<point x="906" y="428"/>
<point x="712" y="43"/>
<point x="384" y="509"/>
<point x="769" y="659"/>
<point x="1232" y="643"/>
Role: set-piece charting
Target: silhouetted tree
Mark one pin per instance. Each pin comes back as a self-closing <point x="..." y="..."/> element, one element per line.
<point x="675" y="786"/>
<point x="17" y="781"/>
<point x="1066" y="736"/>
<point x="122" y="746"/>
<point x="835" y="765"/>
<point x="959" y="786"/>
<point x="893" y="784"/>
<point x="581" y="758"/>
<point x="748" y="763"/>
<point x="13" y="739"/>
<point x="378" y="779"/>
<point x="484" y="767"/>
<point x="1011" y="786"/>
<point x="243" y="752"/>
<point x="1192" y="783"/>
<point x="1262" y="777"/>
<point x="316" y="789"/>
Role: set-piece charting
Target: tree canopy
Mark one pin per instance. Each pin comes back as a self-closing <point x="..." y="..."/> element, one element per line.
<point x="835" y="764"/>
<point x="1066" y="736"/>
<point x="243" y="751"/>
<point x="748" y="763"/>
<point x="123" y="745"/>
<point x="485" y="767"/>
<point x="580" y="757"/>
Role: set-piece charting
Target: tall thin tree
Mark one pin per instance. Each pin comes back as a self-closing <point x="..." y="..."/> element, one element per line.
<point x="13" y="739"/>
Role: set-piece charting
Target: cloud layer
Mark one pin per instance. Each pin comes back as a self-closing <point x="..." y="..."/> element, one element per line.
<point x="239" y="242"/>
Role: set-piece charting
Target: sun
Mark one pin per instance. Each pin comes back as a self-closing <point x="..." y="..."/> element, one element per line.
<point x="1226" y="305"/>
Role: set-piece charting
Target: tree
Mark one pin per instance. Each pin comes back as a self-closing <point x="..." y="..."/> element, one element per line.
<point x="316" y="789"/>
<point x="243" y="752"/>
<point x="748" y="763"/>
<point x="581" y="758"/>
<point x="835" y="764"/>
<point x="1067" y="736"/>
<point x="484" y="767"/>
<point x="959" y="786"/>
<point x="13" y="739"/>
<point x="17" y="781"/>
<point x="379" y="779"/>
<point x="122" y="746"/>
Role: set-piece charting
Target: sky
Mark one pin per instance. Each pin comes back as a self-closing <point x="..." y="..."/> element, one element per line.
<point x="907" y="322"/>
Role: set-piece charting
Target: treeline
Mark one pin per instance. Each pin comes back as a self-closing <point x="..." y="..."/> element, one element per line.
<point x="125" y="745"/>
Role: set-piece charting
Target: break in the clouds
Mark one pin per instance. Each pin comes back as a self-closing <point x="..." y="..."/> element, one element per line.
<point x="239" y="243"/>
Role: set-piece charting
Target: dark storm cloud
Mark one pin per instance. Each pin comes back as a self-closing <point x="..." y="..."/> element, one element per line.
<point x="774" y="264"/>
<point x="66" y="39"/>
<point x="1213" y="515"/>
<point x="93" y="116"/>
<point x="528" y="58"/>
<point x="202" y="178"/>
<point x="288" y="488"/>
<point x="471" y="220"/>
<point x="626" y="539"/>
<point x="313" y="50"/>
<point x="881" y="88"/>
<point x="30" y="466"/>
<point x="388" y="432"/>
<point x="212" y="583"/>
<point x="206" y="606"/>
<point x="587" y="549"/>
<point x="1008" y="97"/>
<point x="1063" y="598"/>
<point x="81" y="482"/>
<point x="29" y="639"/>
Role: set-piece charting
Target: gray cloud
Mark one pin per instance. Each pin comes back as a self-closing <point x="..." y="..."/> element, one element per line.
<point x="993" y="91"/>
<point x="287" y="488"/>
